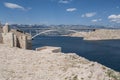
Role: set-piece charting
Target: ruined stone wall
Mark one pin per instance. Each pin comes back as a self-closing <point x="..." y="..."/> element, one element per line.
<point x="29" y="44"/>
<point x="1" y="30"/>
<point x="12" y="40"/>
<point x="1" y="39"/>
<point x="6" y="28"/>
<point x="15" y="38"/>
<point x="8" y="39"/>
<point x="23" y="40"/>
<point x="49" y="49"/>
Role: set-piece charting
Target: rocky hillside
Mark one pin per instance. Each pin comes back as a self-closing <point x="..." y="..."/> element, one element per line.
<point x="100" y="34"/>
<point x="19" y="64"/>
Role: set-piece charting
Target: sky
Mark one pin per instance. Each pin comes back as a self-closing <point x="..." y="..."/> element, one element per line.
<point x="83" y="12"/>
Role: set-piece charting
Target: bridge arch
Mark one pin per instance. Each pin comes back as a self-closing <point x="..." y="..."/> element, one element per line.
<point x="50" y="31"/>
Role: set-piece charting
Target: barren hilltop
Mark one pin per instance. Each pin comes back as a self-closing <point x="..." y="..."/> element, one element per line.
<point x="20" y="64"/>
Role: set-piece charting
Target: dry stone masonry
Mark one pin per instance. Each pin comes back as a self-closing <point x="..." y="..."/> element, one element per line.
<point x="14" y="38"/>
<point x="49" y="49"/>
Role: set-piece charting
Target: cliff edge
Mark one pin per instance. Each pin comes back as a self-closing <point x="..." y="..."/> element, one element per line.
<point x="19" y="64"/>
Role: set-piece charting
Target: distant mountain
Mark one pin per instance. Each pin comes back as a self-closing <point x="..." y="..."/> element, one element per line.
<point x="63" y="26"/>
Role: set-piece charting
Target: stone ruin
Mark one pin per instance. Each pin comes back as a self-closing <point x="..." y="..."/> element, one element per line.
<point x="15" y="38"/>
<point x="0" y="33"/>
<point x="49" y="49"/>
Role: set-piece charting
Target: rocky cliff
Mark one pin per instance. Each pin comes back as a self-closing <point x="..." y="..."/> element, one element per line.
<point x="19" y="64"/>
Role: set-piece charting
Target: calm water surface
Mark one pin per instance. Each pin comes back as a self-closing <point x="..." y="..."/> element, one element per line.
<point x="106" y="52"/>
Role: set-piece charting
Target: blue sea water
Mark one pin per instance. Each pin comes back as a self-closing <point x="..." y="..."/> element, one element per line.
<point x="106" y="52"/>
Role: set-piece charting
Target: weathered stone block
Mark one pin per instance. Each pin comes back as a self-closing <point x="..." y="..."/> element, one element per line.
<point x="8" y="39"/>
<point x="6" y="28"/>
<point x="1" y="39"/>
<point x="24" y="42"/>
<point x="15" y="40"/>
<point x="49" y="49"/>
<point x="29" y="44"/>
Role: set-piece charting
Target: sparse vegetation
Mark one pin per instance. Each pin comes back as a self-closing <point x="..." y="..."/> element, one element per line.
<point x="112" y="74"/>
<point x="75" y="77"/>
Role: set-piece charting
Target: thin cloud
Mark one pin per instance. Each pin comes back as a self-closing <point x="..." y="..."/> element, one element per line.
<point x="71" y="9"/>
<point x="117" y="7"/>
<point x="96" y="20"/>
<point x="89" y="14"/>
<point x="114" y="18"/>
<point x="65" y="1"/>
<point x="29" y="8"/>
<point x="13" y="6"/>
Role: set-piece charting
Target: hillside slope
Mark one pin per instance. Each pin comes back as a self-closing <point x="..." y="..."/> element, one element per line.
<point x="100" y="34"/>
<point x="19" y="64"/>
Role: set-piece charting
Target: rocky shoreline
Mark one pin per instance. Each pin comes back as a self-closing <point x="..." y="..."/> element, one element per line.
<point x="49" y="63"/>
<point x="20" y="64"/>
<point x="100" y="34"/>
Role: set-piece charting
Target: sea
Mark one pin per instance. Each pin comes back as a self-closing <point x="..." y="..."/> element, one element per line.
<point x="106" y="52"/>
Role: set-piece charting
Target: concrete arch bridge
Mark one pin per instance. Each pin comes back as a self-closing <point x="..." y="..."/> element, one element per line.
<point x="46" y="31"/>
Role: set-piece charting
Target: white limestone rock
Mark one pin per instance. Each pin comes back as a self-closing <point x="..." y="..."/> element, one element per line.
<point x="19" y="64"/>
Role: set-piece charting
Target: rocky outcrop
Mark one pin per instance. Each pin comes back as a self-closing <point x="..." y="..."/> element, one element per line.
<point x="100" y="34"/>
<point x="19" y="64"/>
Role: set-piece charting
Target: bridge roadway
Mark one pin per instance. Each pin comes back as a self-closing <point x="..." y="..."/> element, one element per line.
<point x="40" y="31"/>
<point x="58" y="28"/>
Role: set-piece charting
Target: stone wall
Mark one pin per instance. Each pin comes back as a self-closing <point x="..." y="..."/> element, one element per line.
<point x="6" y="28"/>
<point x="8" y="39"/>
<point x="1" y="39"/>
<point x="23" y="40"/>
<point x="15" y="38"/>
<point x="49" y="49"/>
<point x="1" y="30"/>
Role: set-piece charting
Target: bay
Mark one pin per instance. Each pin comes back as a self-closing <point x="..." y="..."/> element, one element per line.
<point x="106" y="52"/>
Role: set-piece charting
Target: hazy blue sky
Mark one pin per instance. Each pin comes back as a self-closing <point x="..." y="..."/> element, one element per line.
<point x="87" y="12"/>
